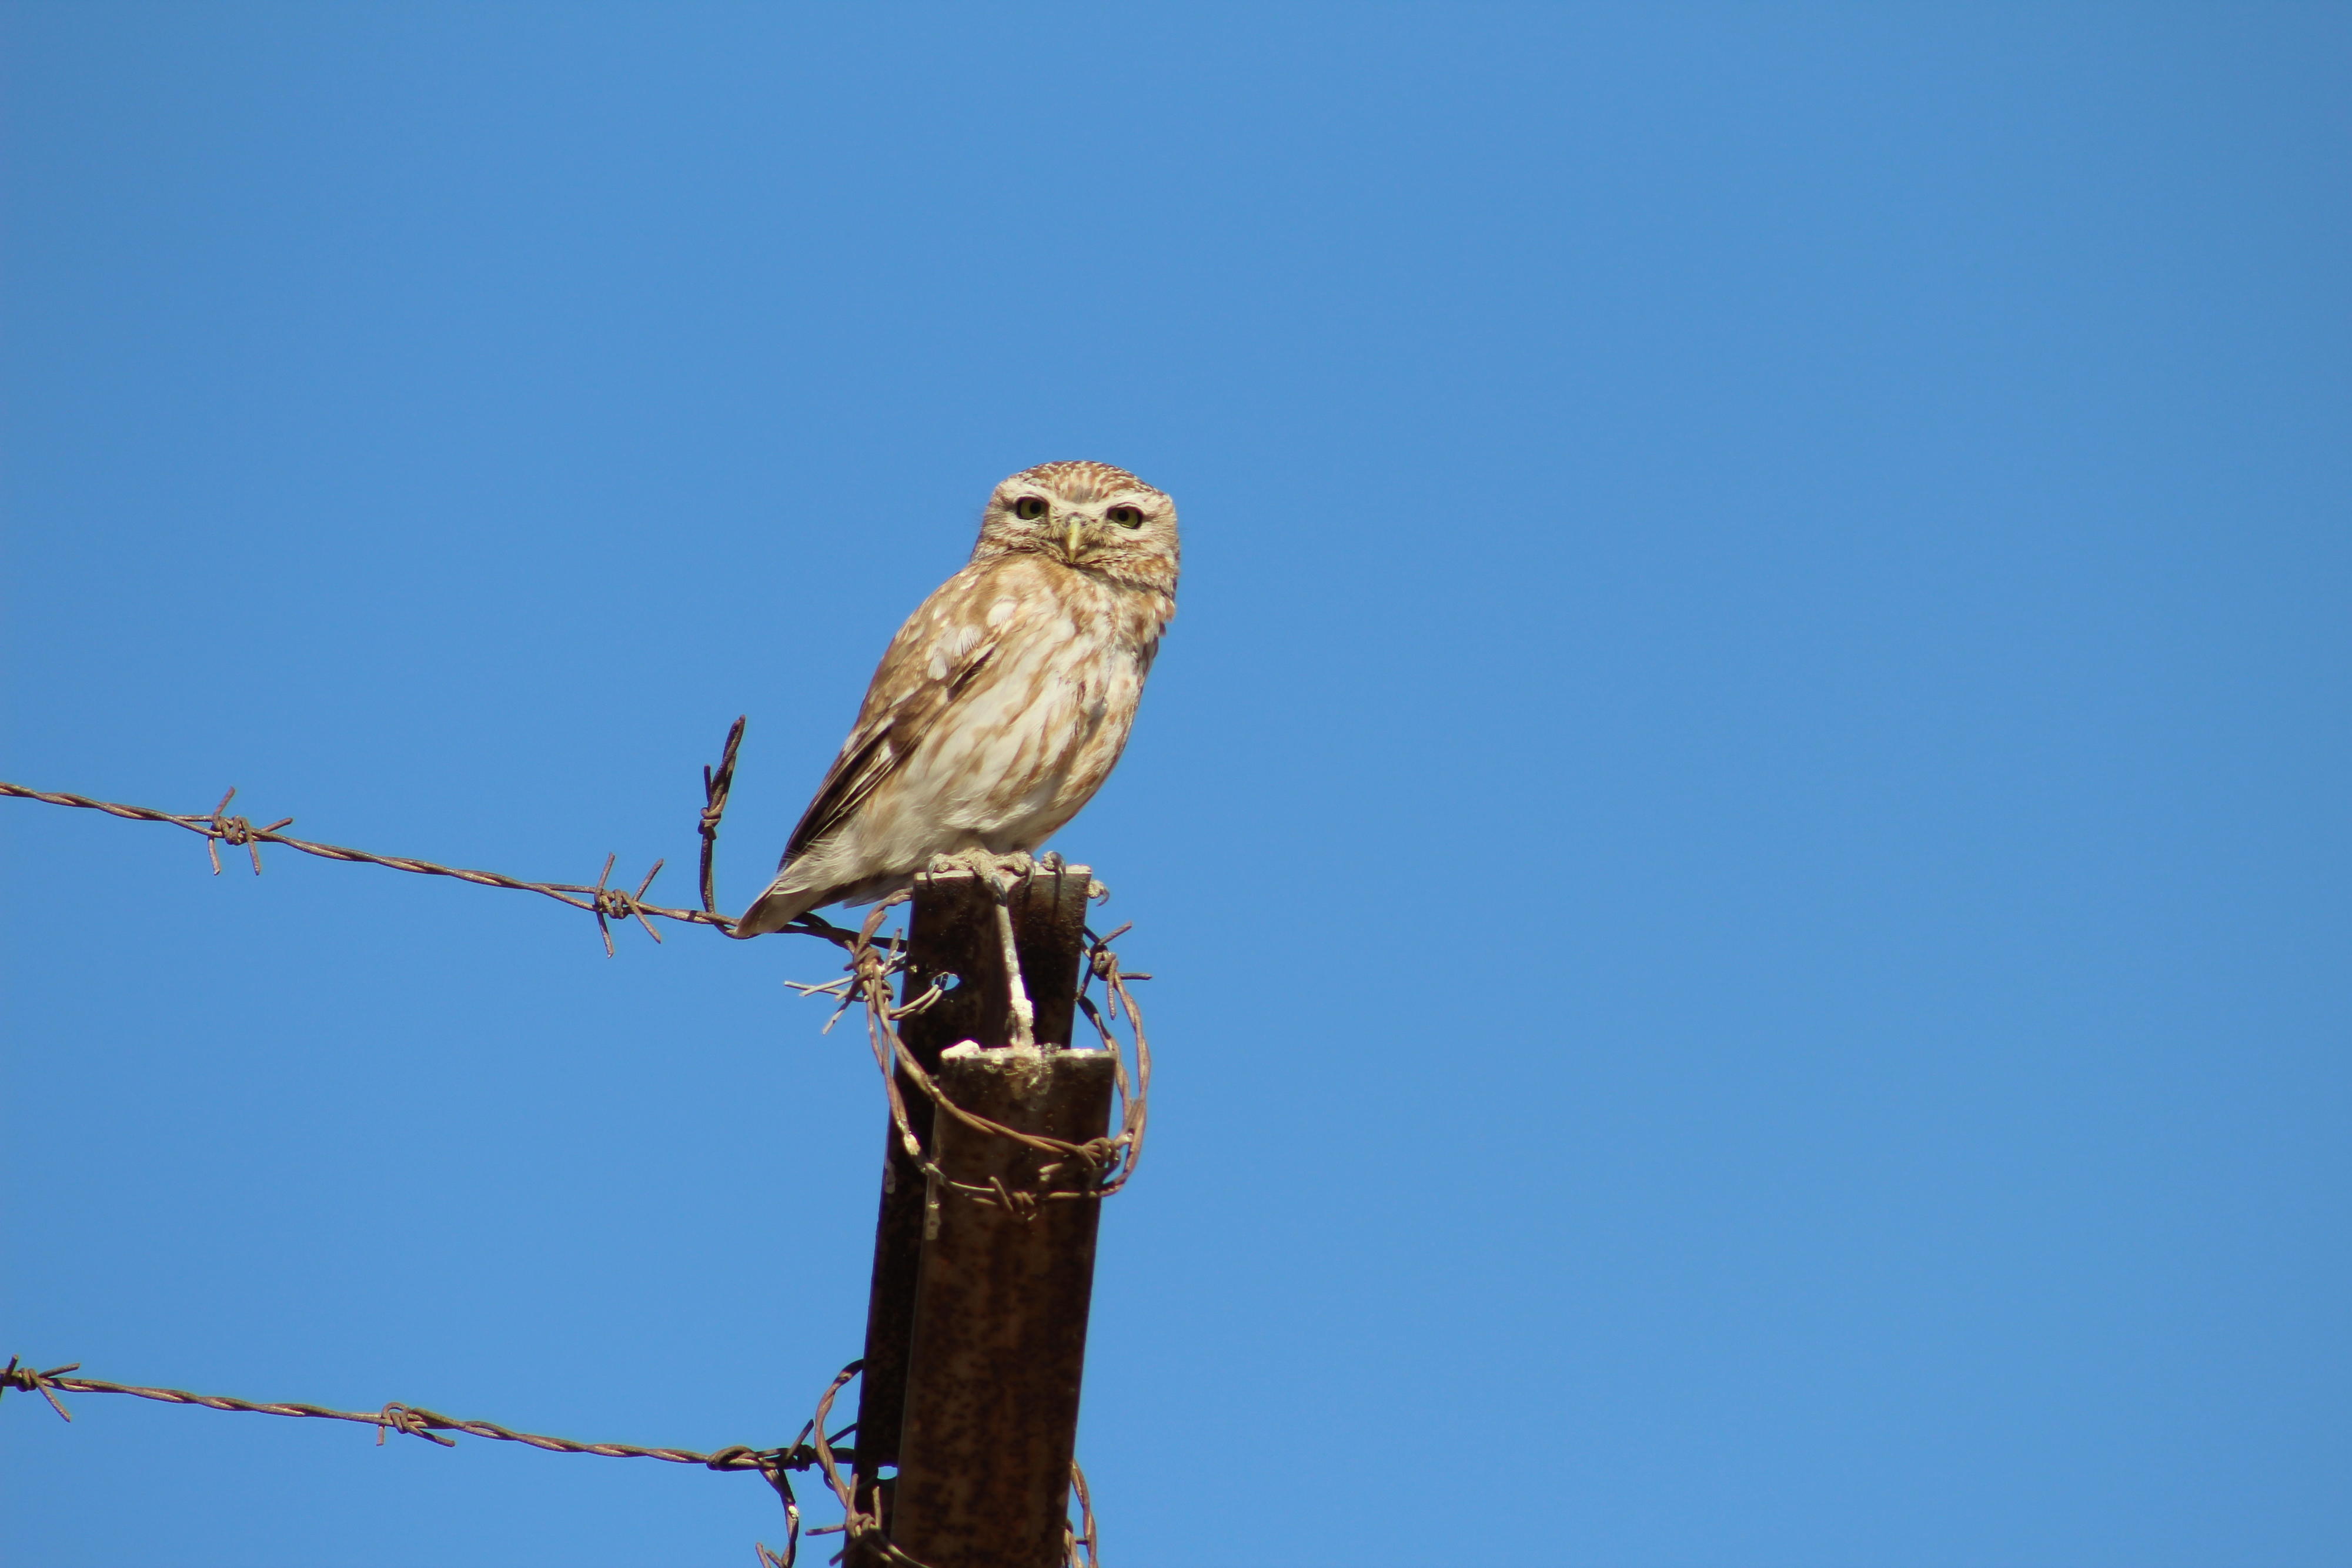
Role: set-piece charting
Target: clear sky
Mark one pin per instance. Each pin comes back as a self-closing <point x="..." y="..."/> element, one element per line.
<point x="1742" y="830"/>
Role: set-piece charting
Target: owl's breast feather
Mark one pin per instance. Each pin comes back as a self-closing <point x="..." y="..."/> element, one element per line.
<point x="1034" y="736"/>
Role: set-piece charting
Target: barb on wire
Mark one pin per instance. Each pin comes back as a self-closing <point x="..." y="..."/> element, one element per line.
<point x="238" y="830"/>
<point x="606" y="903"/>
<point x="610" y="901"/>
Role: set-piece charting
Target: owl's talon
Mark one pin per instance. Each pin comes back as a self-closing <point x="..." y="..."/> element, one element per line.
<point x="999" y="874"/>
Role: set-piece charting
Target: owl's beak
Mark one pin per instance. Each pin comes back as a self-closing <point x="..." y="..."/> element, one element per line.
<point x="1074" y="534"/>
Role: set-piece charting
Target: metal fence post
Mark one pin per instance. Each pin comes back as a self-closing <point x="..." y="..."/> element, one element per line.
<point x="1001" y="1306"/>
<point x="952" y="930"/>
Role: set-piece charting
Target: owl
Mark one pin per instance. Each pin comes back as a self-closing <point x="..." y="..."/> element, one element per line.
<point x="1004" y="702"/>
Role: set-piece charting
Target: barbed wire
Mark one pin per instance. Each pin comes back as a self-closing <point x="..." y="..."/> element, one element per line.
<point x="715" y="790"/>
<point x="414" y="1420"/>
<point x="1084" y="1534"/>
<point x="605" y="902"/>
<point x="1108" y="1163"/>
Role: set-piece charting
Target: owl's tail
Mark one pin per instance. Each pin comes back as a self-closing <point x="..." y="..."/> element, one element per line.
<point x="777" y="908"/>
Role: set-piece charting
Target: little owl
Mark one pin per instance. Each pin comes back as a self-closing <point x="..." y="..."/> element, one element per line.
<point x="1003" y="701"/>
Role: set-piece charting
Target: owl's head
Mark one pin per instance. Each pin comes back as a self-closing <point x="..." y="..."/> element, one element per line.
<point x="1090" y="516"/>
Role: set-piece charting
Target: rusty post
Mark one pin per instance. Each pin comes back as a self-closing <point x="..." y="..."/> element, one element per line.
<point x="953" y="931"/>
<point x="1000" y="1342"/>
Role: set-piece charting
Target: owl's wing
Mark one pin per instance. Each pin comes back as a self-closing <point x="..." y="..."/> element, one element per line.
<point x="877" y="746"/>
<point x="936" y="658"/>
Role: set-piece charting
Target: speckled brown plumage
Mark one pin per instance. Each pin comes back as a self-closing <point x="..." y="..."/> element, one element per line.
<point x="1004" y="702"/>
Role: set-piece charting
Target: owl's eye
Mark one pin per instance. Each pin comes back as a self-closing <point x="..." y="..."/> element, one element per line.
<point x="1029" y="506"/>
<point x="1126" y="517"/>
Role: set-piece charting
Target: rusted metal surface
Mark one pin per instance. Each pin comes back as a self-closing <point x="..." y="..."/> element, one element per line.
<point x="1000" y="1330"/>
<point x="953" y="931"/>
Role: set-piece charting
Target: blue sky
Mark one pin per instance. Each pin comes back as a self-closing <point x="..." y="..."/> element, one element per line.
<point x="1742" y="828"/>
